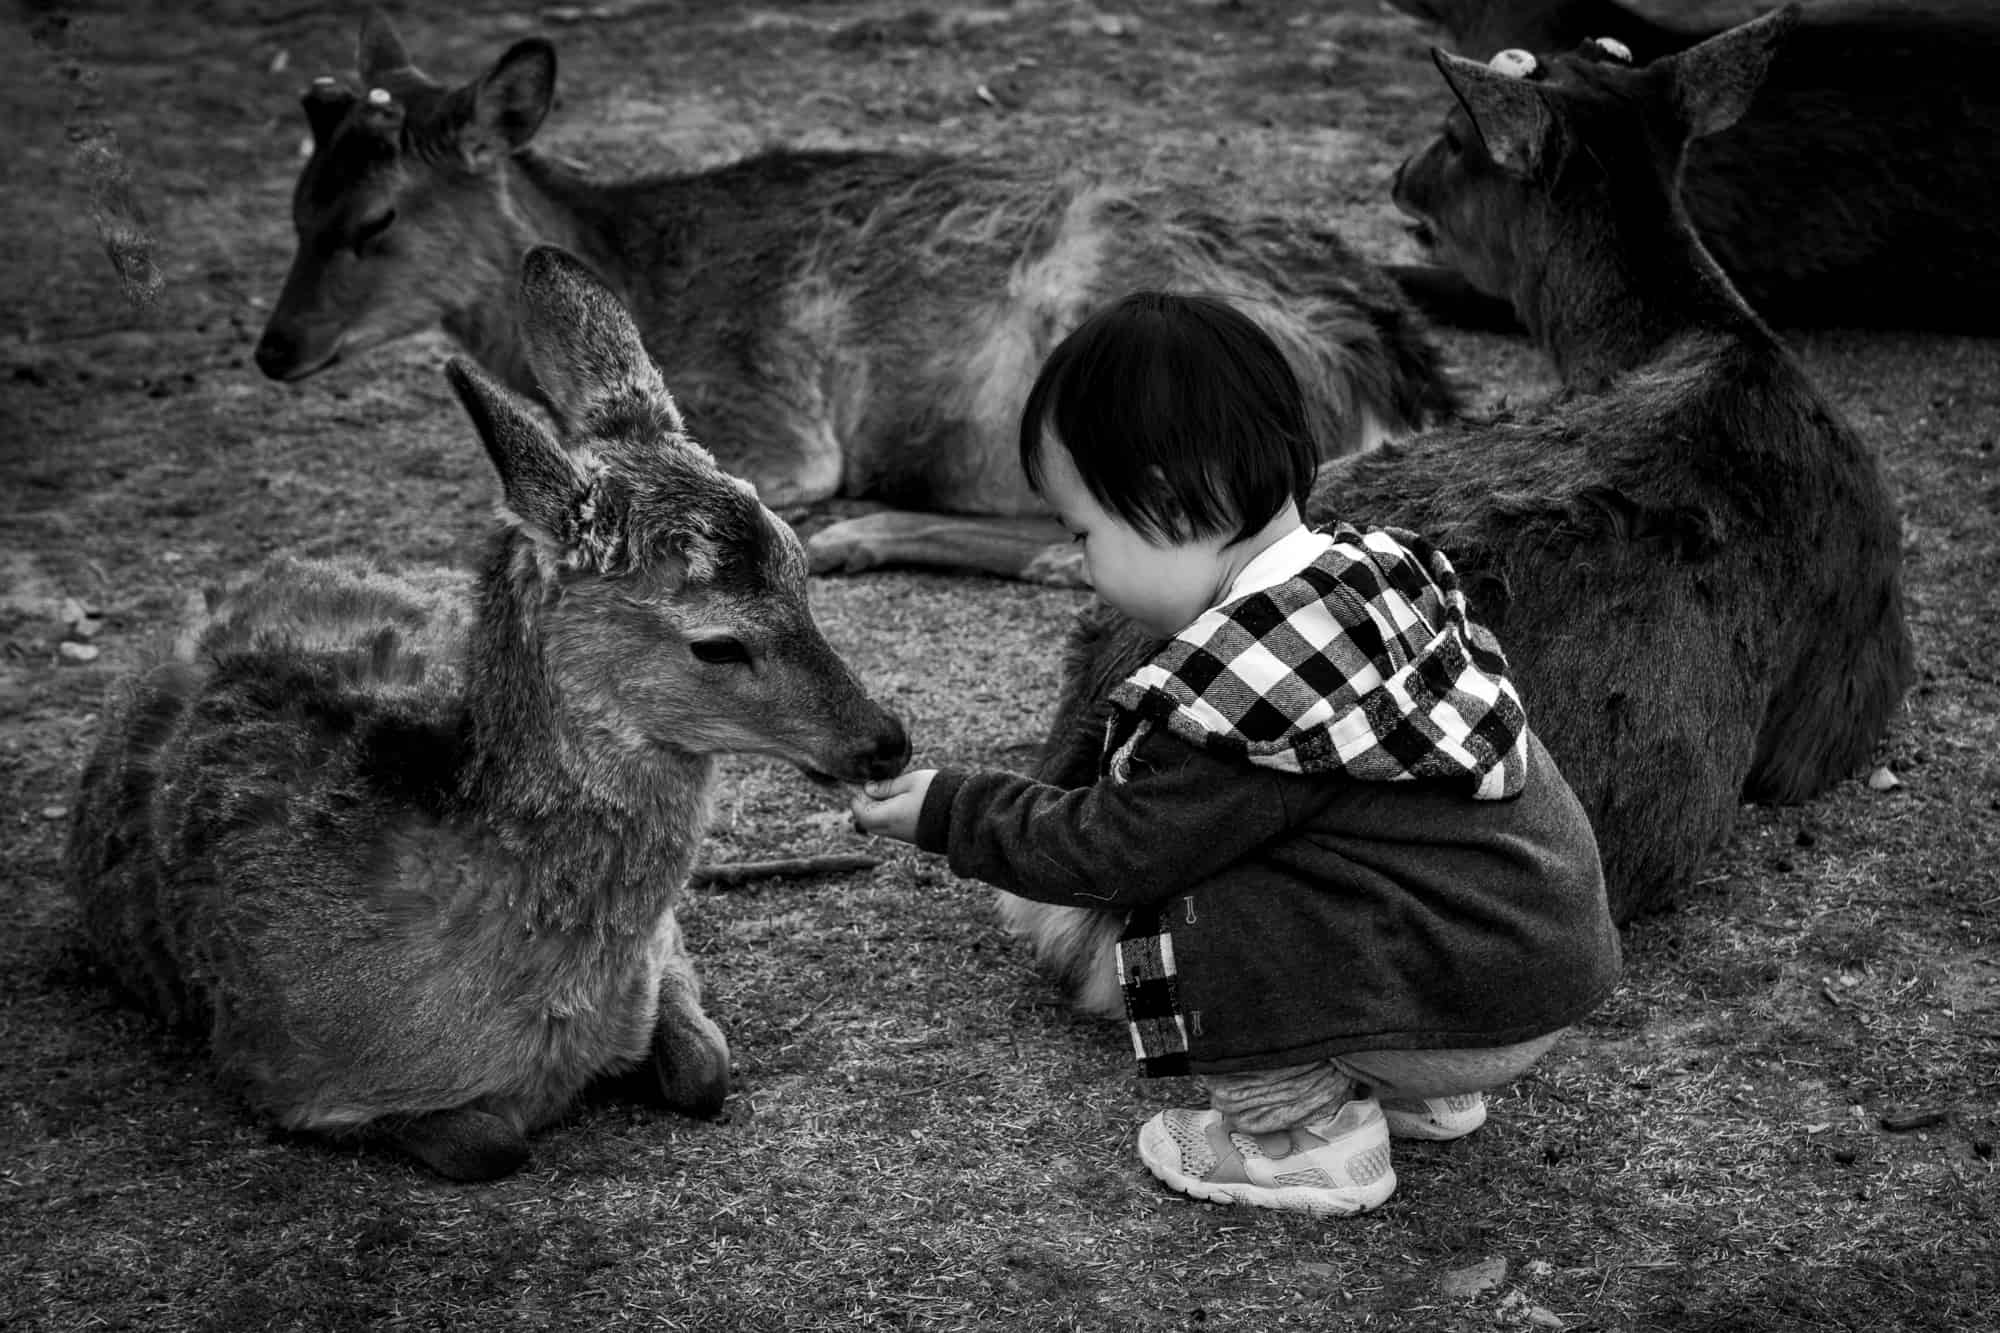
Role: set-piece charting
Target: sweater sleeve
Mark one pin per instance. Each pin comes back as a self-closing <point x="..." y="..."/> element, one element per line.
<point x="1182" y="815"/>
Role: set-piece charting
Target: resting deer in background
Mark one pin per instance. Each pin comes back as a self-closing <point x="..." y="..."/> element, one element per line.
<point x="1690" y="560"/>
<point x="855" y="324"/>
<point x="412" y="863"/>
<point x="1860" y="186"/>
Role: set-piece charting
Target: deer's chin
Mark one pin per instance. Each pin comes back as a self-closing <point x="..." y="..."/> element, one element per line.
<point x="819" y="777"/>
<point x="1425" y="238"/>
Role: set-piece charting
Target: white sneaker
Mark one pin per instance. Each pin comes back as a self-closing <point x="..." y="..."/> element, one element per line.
<point x="1436" y="1118"/>
<point x="1332" y="1168"/>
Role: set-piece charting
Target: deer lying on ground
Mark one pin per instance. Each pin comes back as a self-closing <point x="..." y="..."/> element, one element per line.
<point x="857" y="324"/>
<point x="413" y="863"/>
<point x="1859" y="188"/>
<point x="1690" y="560"/>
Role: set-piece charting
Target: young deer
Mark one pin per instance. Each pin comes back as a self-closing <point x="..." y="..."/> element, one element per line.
<point x="1690" y="560"/>
<point x="859" y="324"/>
<point x="412" y="863"/>
<point x="1860" y="186"/>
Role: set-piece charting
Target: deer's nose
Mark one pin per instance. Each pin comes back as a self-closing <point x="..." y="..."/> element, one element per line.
<point x="889" y="754"/>
<point x="277" y="353"/>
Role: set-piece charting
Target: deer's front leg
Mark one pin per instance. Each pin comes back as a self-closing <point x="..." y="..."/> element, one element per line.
<point x="690" y="1058"/>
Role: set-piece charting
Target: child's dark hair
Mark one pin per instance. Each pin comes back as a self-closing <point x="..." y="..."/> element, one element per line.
<point x="1183" y="418"/>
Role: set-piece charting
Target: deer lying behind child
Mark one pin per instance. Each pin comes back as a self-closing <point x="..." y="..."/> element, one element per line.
<point x="411" y="863"/>
<point x="1860" y="186"/>
<point x="1690" y="560"/>
<point x="852" y="324"/>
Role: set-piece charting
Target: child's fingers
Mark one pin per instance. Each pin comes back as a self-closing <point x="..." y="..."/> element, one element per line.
<point x="868" y="815"/>
<point x="909" y="780"/>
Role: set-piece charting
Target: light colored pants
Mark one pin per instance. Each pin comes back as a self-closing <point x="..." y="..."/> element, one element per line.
<point x="1267" y="1100"/>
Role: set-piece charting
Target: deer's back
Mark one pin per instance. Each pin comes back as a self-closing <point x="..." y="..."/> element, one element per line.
<point x="235" y="811"/>
<point x="900" y="304"/>
<point x="1662" y="564"/>
<point x="1862" y="185"/>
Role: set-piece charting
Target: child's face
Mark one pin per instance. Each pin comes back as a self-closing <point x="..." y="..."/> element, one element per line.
<point x="1162" y="588"/>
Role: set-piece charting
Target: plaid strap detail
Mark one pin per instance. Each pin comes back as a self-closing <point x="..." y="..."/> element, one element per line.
<point x="1363" y="663"/>
<point x="1151" y="987"/>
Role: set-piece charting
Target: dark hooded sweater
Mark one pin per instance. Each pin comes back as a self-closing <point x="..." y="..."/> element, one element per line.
<point x="1312" y="914"/>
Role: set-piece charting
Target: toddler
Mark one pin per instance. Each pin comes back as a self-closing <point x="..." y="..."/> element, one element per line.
<point x="1358" y="891"/>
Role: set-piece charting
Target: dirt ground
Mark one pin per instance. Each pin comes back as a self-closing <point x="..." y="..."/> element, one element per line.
<point x="1784" y="1120"/>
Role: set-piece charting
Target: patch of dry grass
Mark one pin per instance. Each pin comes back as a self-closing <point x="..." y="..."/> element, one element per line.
<point x="923" y="1136"/>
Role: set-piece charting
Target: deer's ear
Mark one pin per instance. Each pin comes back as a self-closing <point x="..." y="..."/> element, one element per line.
<point x="548" y="492"/>
<point x="380" y="51"/>
<point x="1715" y="80"/>
<point x="585" y="350"/>
<point x="326" y="103"/>
<point x="506" y="105"/>
<point x="1509" y="112"/>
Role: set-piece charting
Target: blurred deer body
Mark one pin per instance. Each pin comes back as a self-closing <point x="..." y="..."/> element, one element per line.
<point x="1861" y="185"/>
<point x="851" y="324"/>
<point x="1691" y="562"/>
<point x="411" y="858"/>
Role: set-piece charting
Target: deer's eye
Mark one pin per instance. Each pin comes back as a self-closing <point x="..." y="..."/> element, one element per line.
<point x="371" y="229"/>
<point x="720" y="651"/>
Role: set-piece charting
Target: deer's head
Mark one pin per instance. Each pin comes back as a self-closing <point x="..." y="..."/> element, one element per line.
<point x="668" y="606"/>
<point x="1564" y="170"/>
<point x="401" y="213"/>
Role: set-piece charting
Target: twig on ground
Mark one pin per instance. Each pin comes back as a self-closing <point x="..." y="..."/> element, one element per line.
<point x="731" y="874"/>
<point x="1904" y="1121"/>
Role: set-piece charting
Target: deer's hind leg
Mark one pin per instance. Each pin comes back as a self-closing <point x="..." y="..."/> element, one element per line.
<point x="459" y="1144"/>
<point x="979" y="514"/>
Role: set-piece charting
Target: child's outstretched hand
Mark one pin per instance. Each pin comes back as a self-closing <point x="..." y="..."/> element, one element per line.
<point x="890" y="807"/>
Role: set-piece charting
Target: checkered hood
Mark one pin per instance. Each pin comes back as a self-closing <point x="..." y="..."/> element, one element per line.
<point x="1363" y="663"/>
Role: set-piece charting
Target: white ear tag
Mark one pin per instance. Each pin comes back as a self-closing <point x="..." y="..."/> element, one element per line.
<point x="1513" y="62"/>
<point x="1614" y="48"/>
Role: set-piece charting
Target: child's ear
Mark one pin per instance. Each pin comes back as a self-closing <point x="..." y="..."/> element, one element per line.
<point x="1173" y="514"/>
<point x="1167" y="504"/>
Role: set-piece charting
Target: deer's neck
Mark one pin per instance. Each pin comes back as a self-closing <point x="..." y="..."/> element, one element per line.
<point x="602" y="827"/>
<point x="540" y="202"/>
<point x="1608" y="300"/>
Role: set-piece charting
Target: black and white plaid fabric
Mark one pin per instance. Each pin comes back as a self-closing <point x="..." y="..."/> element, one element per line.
<point x="1150" y="985"/>
<point x="1363" y="663"/>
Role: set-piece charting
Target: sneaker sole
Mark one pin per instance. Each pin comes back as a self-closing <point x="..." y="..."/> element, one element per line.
<point x="1158" y="1151"/>
<point x="1409" y="1125"/>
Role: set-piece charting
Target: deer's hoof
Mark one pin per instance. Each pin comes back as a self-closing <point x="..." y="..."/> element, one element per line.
<point x="839" y="549"/>
<point x="691" y="1062"/>
<point x="1057" y="567"/>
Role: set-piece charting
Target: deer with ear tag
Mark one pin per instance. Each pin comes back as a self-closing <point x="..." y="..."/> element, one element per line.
<point x="1690" y="560"/>
<point x="411" y="861"/>
<point x="1859" y="186"/>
